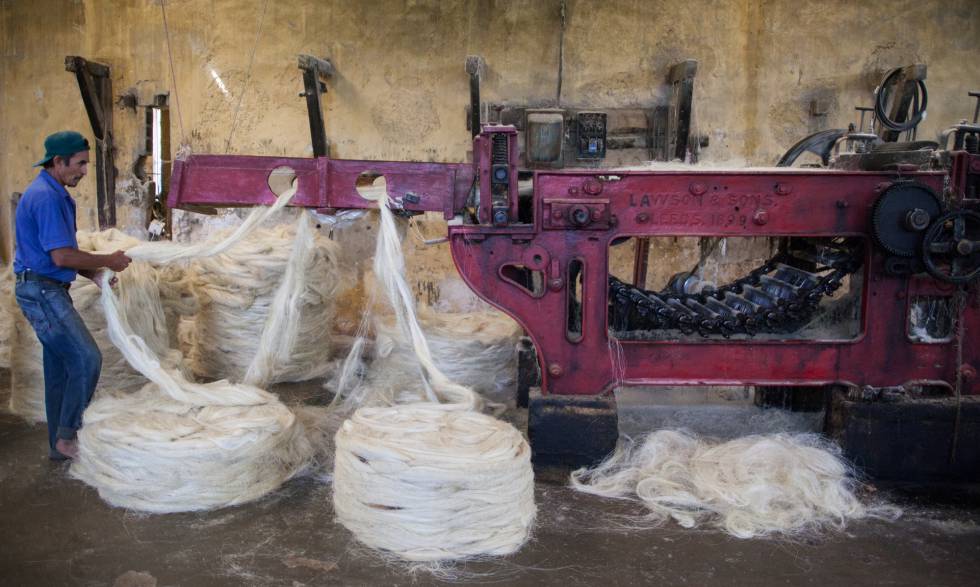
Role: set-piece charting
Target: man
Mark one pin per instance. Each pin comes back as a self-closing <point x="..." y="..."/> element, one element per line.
<point x="46" y="261"/>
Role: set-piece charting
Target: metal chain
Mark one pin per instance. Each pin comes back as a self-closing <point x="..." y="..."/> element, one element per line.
<point x="634" y="308"/>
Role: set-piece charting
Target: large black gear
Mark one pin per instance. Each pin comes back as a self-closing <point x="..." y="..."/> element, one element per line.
<point x="901" y="216"/>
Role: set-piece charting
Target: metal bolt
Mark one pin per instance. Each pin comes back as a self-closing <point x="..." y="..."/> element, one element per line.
<point x="596" y="215"/>
<point x="917" y="219"/>
<point x="783" y="188"/>
<point x="698" y="188"/>
<point x="556" y="214"/>
<point x="761" y="217"/>
<point x="964" y="247"/>
<point x="580" y="215"/>
<point x="500" y="217"/>
<point x="968" y="372"/>
<point x="556" y="284"/>
<point x="573" y="191"/>
<point x="554" y="369"/>
<point x="592" y="186"/>
<point x="642" y="218"/>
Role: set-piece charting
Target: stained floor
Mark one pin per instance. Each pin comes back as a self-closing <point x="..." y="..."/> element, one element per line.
<point x="56" y="531"/>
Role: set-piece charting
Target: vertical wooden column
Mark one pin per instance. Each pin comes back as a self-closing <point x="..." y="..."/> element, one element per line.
<point x="95" y="85"/>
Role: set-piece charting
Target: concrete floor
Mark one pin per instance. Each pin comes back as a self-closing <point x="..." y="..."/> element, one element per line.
<point x="56" y="531"/>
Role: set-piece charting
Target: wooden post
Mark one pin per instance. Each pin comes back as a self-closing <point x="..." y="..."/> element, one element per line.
<point x="95" y="85"/>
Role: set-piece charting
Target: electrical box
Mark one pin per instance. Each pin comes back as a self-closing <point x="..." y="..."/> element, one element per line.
<point x="544" y="135"/>
<point x="591" y="133"/>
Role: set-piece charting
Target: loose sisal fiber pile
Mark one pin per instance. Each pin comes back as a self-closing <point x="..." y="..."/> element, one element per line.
<point x="176" y="445"/>
<point x="429" y="481"/>
<point x="433" y="484"/>
<point x="753" y="486"/>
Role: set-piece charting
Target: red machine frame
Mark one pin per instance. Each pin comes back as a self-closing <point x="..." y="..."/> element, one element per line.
<point x="577" y="214"/>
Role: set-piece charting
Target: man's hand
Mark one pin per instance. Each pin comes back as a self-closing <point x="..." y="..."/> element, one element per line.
<point x="97" y="277"/>
<point x="117" y="261"/>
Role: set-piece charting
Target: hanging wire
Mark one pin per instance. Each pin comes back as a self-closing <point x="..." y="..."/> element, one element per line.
<point x="248" y="76"/>
<point x="173" y="76"/>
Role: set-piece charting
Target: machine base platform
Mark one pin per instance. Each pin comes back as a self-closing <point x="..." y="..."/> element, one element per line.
<point x="568" y="432"/>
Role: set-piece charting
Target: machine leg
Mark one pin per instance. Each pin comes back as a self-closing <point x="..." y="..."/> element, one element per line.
<point x="796" y="399"/>
<point x="568" y="432"/>
<point x="934" y="440"/>
<point x="528" y="375"/>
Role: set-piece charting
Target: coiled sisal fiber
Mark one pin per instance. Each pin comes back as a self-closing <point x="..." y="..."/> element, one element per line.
<point x="181" y="446"/>
<point x="777" y="484"/>
<point x="176" y="445"/>
<point x="433" y="484"/>
<point x="476" y="349"/>
<point x="434" y="480"/>
<point x="286" y="267"/>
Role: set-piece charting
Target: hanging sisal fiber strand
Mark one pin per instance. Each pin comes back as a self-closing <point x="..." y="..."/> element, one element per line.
<point x="754" y="486"/>
<point x="433" y="480"/>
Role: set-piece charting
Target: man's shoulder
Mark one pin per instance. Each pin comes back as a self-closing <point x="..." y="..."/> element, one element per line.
<point x="40" y="191"/>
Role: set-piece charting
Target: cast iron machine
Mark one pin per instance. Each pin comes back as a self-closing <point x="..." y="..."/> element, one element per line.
<point x="895" y="241"/>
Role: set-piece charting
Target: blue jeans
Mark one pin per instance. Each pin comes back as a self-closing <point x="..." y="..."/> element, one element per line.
<point x="72" y="360"/>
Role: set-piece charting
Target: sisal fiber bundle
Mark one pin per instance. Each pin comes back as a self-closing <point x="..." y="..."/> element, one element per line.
<point x="283" y="278"/>
<point x="754" y="486"/>
<point x="431" y="484"/>
<point x="477" y="350"/>
<point x="178" y="446"/>
<point x="431" y="480"/>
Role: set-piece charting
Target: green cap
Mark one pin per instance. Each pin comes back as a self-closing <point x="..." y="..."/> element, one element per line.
<point x="65" y="143"/>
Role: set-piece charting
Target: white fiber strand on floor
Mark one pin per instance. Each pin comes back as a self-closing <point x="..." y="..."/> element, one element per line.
<point x="433" y="480"/>
<point x="754" y="486"/>
<point x="430" y="484"/>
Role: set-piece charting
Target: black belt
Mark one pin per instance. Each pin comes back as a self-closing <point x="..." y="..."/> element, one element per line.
<point x="28" y="275"/>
